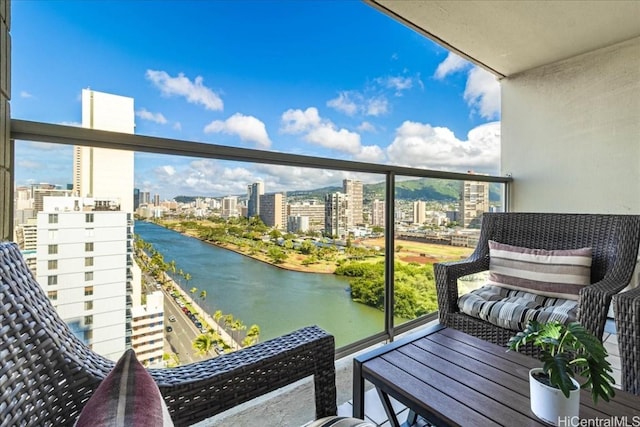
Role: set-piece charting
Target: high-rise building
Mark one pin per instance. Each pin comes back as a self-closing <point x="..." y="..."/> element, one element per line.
<point x="101" y="172"/>
<point x="312" y="210"/>
<point x="355" y="190"/>
<point x="156" y="200"/>
<point x="474" y="201"/>
<point x="229" y="207"/>
<point x="336" y="215"/>
<point x="254" y="191"/>
<point x="419" y="212"/>
<point x="145" y="198"/>
<point x="82" y="265"/>
<point x="147" y="339"/>
<point x="273" y="210"/>
<point x="298" y="224"/>
<point x="378" y="213"/>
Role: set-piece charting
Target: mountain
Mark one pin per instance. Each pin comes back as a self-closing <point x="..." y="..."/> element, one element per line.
<point x="425" y="189"/>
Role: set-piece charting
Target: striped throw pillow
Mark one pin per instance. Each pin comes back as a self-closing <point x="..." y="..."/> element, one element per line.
<point x="128" y="396"/>
<point x="555" y="273"/>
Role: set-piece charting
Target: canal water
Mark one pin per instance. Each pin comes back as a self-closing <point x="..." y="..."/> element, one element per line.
<point x="278" y="301"/>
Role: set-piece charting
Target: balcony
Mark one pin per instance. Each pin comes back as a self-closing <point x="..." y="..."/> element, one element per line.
<point x="570" y="135"/>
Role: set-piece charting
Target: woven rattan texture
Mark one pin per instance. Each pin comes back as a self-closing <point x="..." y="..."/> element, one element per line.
<point x="614" y="239"/>
<point x="627" y="313"/>
<point x="47" y="374"/>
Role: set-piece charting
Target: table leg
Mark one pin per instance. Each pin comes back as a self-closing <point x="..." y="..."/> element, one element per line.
<point x="386" y="403"/>
<point x="358" y="390"/>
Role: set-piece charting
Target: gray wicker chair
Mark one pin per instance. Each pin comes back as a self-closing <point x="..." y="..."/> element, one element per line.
<point x="47" y="374"/>
<point x="614" y="239"/>
<point x="627" y="314"/>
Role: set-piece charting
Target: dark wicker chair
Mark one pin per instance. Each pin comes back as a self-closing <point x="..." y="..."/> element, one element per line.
<point x="627" y="314"/>
<point x="47" y="374"/>
<point x="614" y="239"/>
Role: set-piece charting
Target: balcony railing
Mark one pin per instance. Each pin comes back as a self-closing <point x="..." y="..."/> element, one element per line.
<point x="42" y="132"/>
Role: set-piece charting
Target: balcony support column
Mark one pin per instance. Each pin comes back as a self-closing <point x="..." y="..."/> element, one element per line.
<point x="389" y="253"/>
<point x="6" y="145"/>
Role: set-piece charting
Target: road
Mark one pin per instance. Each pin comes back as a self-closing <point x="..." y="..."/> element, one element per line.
<point x="180" y="340"/>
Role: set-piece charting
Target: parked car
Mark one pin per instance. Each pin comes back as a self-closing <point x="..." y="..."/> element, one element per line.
<point x="169" y="329"/>
<point x="172" y="318"/>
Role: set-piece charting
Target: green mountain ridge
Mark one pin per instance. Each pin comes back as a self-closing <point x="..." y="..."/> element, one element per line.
<point x="425" y="189"/>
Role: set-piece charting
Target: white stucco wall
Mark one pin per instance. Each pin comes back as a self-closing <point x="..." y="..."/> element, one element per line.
<point x="571" y="133"/>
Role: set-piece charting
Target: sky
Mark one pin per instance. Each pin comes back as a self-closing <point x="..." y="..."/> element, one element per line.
<point x="326" y="78"/>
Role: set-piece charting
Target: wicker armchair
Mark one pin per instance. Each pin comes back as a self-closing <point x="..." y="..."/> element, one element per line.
<point x="47" y="374"/>
<point x="627" y="314"/>
<point x="614" y="239"/>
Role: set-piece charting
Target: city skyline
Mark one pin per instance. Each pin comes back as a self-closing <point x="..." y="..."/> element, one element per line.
<point x="327" y="79"/>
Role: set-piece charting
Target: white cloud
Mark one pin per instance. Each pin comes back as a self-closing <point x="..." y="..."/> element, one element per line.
<point x="353" y="102"/>
<point x="177" y="126"/>
<point x="298" y="121"/>
<point x="25" y="94"/>
<point x="482" y="93"/>
<point x="320" y="132"/>
<point x="248" y="128"/>
<point x="377" y="106"/>
<point x="344" y="104"/>
<point x="194" y="91"/>
<point x="450" y="65"/>
<point x="370" y="154"/>
<point x="423" y="146"/>
<point x="153" y="117"/>
<point x="366" y="127"/>
<point x="399" y="83"/>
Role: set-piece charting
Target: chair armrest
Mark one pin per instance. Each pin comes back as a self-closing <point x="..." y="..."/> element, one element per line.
<point x="447" y="275"/>
<point x="627" y="313"/>
<point x="594" y="302"/>
<point x="200" y="390"/>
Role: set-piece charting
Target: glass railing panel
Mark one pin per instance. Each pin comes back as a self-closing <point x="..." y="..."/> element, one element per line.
<point x="436" y="220"/>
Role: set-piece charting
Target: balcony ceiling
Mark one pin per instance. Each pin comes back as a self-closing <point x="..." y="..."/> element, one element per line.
<point x="507" y="37"/>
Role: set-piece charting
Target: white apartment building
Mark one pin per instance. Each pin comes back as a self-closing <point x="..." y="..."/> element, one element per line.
<point x="419" y="212"/>
<point x="229" y="207"/>
<point x="273" y="210"/>
<point x="83" y="264"/>
<point x="147" y="338"/>
<point x="378" y="213"/>
<point x="101" y="172"/>
<point x="336" y="215"/>
<point x="355" y="190"/>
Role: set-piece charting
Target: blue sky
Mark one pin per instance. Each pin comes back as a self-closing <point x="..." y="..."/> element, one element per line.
<point x="332" y="79"/>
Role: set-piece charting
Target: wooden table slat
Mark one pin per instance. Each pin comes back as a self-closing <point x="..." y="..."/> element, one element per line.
<point x="402" y="385"/>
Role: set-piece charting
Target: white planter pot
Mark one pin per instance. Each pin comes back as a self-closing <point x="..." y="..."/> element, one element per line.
<point x="550" y="405"/>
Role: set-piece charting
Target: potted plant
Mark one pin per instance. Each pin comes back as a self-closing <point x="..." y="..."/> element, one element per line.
<point x="565" y="350"/>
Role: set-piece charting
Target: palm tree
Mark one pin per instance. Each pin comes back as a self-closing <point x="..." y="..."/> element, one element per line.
<point x="253" y="336"/>
<point x="217" y="316"/>
<point x="187" y="277"/>
<point x="193" y="290"/>
<point x="203" y="295"/>
<point x="203" y="343"/>
<point x="237" y="326"/>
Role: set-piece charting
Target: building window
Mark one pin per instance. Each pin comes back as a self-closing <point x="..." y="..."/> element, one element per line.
<point x="88" y="291"/>
<point x="88" y="261"/>
<point x="53" y="218"/>
<point x="53" y="235"/>
<point x="88" y="275"/>
<point x="53" y="295"/>
<point x="88" y="217"/>
<point x="52" y="264"/>
<point x="88" y="232"/>
<point x="88" y="247"/>
<point x="88" y="320"/>
<point x="88" y="305"/>
<point x="88" y="336"/>
<point x="53" y="249"/>
<point x="52" y="280"/>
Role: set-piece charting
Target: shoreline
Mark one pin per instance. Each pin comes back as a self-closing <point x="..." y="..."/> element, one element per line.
<point x="229" y="247"/>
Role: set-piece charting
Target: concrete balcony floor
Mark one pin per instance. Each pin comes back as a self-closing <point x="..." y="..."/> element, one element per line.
<point x="293" y="406"/>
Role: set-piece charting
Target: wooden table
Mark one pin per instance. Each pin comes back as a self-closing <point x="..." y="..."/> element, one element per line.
<point x="453" y="379"/>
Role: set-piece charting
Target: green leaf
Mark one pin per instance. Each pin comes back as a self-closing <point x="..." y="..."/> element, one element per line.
<point x="559" y="371"/>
